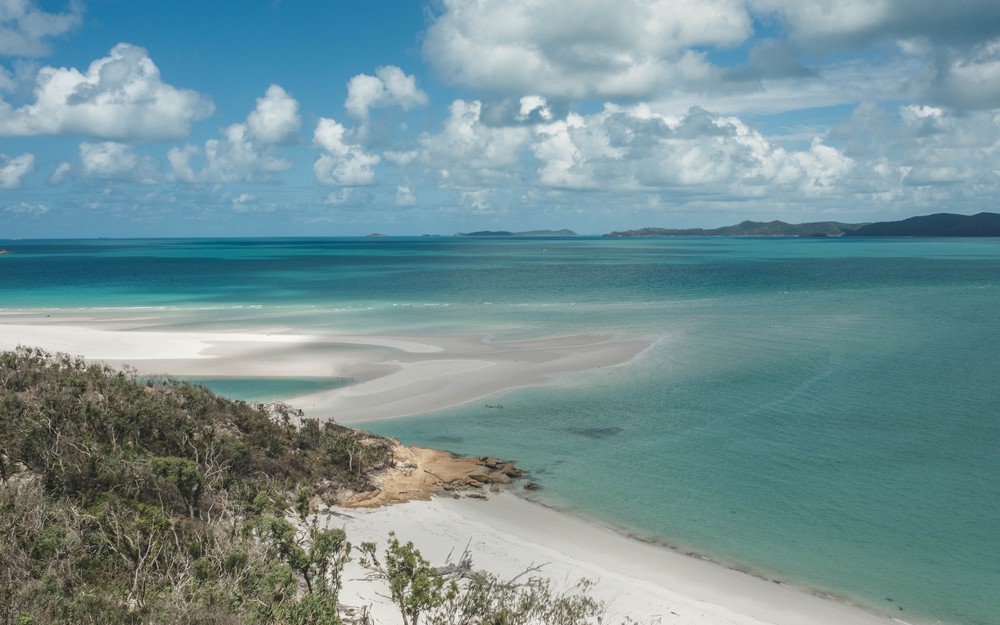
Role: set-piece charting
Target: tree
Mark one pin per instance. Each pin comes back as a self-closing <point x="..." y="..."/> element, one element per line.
<point x="316" y="554"/>
<point x="414" y="585"/>
<point x="183" y="474"/>
<point x="486" y="598"/>
<point x="136" y="536"/>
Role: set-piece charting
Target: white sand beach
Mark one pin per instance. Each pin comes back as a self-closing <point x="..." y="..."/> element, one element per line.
<point x="507" y="534"/>
<point x="399" y="376"/>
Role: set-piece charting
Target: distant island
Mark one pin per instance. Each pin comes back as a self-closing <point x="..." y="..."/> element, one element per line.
<point x="530" y="233"/>
<point x="748" y="229"/>
<point x="376" y="235"/>
<point x="938" y="225"/>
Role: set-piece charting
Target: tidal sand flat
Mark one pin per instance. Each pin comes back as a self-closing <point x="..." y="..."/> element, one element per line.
<point x="390" y="377"/>
<point x="463" y="370"/>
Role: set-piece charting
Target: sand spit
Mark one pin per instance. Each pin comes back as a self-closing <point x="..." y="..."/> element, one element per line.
<point x="393" y="376"/>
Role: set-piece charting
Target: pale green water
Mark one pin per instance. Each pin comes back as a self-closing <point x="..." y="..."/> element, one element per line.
<point x="266" y="389"/>
<point x="820" y="410"/>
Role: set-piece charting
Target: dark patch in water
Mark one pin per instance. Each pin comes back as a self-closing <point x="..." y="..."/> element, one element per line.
<point x="597" y="432"/>
<point x="445" y="439"/>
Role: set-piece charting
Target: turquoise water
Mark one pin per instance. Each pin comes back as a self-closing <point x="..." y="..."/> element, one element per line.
<point x="266" y="389"/>
<point x="824" y="411"/>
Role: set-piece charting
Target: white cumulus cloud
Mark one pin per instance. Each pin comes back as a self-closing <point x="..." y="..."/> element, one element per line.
<point x="7" y="82"/>
<point x="846" y="23"/>
<point x="810" y="20"/>
<point x="390" y="86"/>
<point x="404" y="196"/>
<point x="630" y="150"/>
<point x="643" y="50"/>
<point x="340" y="196"/>
<point x="119" y="97"/>
<point x="928" y="147"/>
<point x="26" y="208"/>
<point x="234" y="158"/>
<point x="60" y="174"/>
<point x="116" y="161"/>
<point x="469" y="153"/>
<point x="248" y="203"/>
<point x="344" y="163"/>
<point x="593" y="48"/>
<point x="14" y="169"/>
<point x="967" y="80"/>
<point x="247" y="151"/>
<point x="276" y="117"/>
<point x="24" y="27"/>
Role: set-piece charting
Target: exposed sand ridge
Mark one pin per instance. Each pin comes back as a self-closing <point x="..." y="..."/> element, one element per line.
<point x="392" y="376"/>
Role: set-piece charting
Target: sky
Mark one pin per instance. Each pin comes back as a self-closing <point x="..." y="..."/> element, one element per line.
<point x="346" y="117"/>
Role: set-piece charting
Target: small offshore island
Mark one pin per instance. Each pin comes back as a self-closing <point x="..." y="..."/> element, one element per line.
<point x="527" y="234"/>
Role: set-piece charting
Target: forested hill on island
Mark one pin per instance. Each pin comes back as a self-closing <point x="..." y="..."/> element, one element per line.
<point x="938" y="225"/>
<point x="749" y="229"/>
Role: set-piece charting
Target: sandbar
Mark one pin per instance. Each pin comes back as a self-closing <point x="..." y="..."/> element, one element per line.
<point x="390" y="376"/>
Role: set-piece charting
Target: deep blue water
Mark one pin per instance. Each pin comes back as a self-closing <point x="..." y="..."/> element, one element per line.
<point x="820" y="410"/>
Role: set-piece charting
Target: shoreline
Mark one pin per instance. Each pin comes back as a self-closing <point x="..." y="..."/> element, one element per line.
<point x="446" y="372"/>
<point x="507" y="534"/>
<point x="735" y="567"/>
<point x="427" y="498"/>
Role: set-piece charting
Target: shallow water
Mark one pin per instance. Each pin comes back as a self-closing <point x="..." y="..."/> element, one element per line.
<point x="821" y="410"/>
<point x="266" y="389"/>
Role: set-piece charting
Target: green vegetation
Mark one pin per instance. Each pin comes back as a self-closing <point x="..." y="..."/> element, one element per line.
<point x="414" y="585"/>
<point x="478" y="598"/>
<point x="937" y="225"/>
<point x="127" y="500"/>
<point x="131" y="502"/>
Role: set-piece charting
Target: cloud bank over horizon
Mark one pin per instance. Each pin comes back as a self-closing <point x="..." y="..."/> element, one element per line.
<point x="594" y="115"/>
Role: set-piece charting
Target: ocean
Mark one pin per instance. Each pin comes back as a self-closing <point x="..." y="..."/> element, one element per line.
<point x="824" y="412"/>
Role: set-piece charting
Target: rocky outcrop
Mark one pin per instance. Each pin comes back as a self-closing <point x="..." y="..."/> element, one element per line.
<point x="499" y="478"/>
<point x="417" y="473"/>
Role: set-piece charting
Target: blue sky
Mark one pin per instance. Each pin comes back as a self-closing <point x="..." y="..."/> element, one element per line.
<point x="338" y="117"/>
